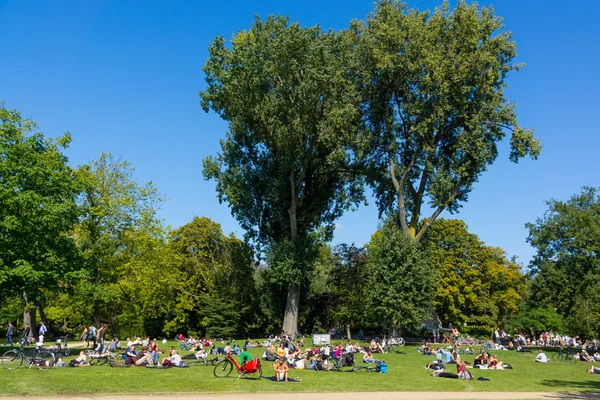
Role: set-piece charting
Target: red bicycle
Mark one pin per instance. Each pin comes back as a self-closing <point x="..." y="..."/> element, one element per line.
<point x="248" y="366"/>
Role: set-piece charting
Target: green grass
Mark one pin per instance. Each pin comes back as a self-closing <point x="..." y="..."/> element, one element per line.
<point x="405" y="373"/>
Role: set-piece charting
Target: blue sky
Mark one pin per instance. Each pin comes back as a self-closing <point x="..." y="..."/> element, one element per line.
<point x="124" y="77"/>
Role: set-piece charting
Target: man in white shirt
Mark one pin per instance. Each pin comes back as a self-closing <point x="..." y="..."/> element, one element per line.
<point x="541" y="357"/>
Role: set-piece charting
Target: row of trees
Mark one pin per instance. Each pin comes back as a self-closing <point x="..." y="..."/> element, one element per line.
<point x="84" y="245"/>
<point x="408" y="103"/>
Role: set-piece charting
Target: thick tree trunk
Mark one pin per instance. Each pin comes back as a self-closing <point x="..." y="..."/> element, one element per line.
<point x="28" y="315"/>
<point x="290" y="318"/>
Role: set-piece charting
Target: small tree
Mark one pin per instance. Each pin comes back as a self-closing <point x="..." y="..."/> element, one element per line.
<point x="401" y="282"/>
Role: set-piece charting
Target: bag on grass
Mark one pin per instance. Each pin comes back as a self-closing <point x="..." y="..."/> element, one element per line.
<point x="507" y="366"/>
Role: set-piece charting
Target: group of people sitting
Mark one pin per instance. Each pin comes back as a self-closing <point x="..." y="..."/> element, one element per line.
<point x="445" y="356"/>
<point x="319" y="357"/>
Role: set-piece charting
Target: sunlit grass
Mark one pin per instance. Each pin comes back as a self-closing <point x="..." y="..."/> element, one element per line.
<point x="405" y="373"/>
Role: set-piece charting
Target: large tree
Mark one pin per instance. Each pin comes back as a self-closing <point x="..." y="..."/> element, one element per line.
<point x="566" y="268"/>
<point x="433" y="99"/>
<point x="283" y="166"/>
<point x="476" y="284"/>
<point x="37" y="211"/>
<point x="118" y="210"/>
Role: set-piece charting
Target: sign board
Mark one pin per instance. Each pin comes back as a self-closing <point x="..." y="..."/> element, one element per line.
<point x="320" y="339"/>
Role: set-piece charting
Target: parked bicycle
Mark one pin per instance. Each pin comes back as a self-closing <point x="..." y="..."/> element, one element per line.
<point x="564" y="355"/>
<point x="61" y="347"/>
<point x="41" y="358"/>
<point x="224" y="368"/>
<point x="95" y="358"/>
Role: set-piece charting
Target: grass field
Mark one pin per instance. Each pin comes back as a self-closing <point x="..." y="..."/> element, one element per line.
<point x="405" y="373"/>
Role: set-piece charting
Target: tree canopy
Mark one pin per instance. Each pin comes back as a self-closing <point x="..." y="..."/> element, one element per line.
<point x="284" y="165"/>
<point x="38" y="209"/>
<point x="566" y="267"/>
<point x="475" y="284"/>
<point x="432" y="86"/>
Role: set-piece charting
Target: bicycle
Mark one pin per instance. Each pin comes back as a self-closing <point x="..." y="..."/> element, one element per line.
<point x="224" y="367"/>
<point x="60" y="347"/>
<point x="42" y="358"/>
<point x="95" y="358"/>
<point x="564" y="355"/>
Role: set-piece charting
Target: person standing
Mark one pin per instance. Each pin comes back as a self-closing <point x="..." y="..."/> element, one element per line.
<point x="10" y="331"/>
<point x="42" y="332"/>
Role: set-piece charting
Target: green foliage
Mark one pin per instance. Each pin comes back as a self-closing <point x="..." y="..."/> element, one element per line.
<point x="216" y="288"/>
<point x="37" y="209"/>
<point x="537" y="320"/>
<point x="566" y="268"/>
<point x="284" y="167"/>
<point x="401" y="279"/>
<point x="433" y="88"/>
<point x="476" y="284"/>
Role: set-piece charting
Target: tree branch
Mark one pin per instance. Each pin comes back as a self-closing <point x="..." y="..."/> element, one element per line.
<point x="400" y="193"/>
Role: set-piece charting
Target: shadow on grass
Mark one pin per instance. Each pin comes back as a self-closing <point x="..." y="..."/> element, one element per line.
<point x="589" y="389"/>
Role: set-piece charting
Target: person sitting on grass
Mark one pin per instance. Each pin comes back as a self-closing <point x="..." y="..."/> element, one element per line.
<point x="143" y="357"/>
<point x="368" y="358"/>
<point x="281" y="370"/>
<point x="130" y="356"/>
<point x="174" y="359"/>
<point x="494" y="363"/>
<point x="584" y="356"/>
<point x="461" y="368"/>
<point x="482" y="359"/>
<point x="541" y="357"/>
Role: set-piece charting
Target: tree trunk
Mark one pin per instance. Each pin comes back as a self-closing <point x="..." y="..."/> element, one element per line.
<point x="28" y="316"/>
<point x="348" y="332"/>
<point x="41" y="311"/>
<point x="290" y="318"/>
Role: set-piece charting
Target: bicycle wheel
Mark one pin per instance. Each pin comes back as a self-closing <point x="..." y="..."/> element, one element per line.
<point x="43" y="360"/>
<point x="400" y="342"/>
<point x="66" y="351"/>
<point x="223" y="369"/>
<point x="259" y="372"/>
<point x="98" y="361"/>
<point x="12" y="359"/>
<point x="572" y="359"/>
<point x="557" y="357"/>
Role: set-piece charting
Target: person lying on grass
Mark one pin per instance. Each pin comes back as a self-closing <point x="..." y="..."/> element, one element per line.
<point x="80" y="361"/>
<point x="281" y="370"/>
<point x="593" y="370"/>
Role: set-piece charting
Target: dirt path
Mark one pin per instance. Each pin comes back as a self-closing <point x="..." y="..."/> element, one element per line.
<point x="334" y="396"/>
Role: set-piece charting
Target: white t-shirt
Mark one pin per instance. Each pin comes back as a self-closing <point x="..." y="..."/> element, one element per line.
<point x="175" y="359"/>
<point x="541" y="358"/>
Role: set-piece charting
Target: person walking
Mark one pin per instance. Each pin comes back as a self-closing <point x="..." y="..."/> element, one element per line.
<point x="10" y="331"/>
<point x="42" y="332"/>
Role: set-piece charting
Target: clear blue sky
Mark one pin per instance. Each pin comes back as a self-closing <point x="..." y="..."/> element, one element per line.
<point x="124" y="77"/>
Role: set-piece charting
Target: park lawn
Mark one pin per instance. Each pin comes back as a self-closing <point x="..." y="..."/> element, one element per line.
<point x="405" y="373"/>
